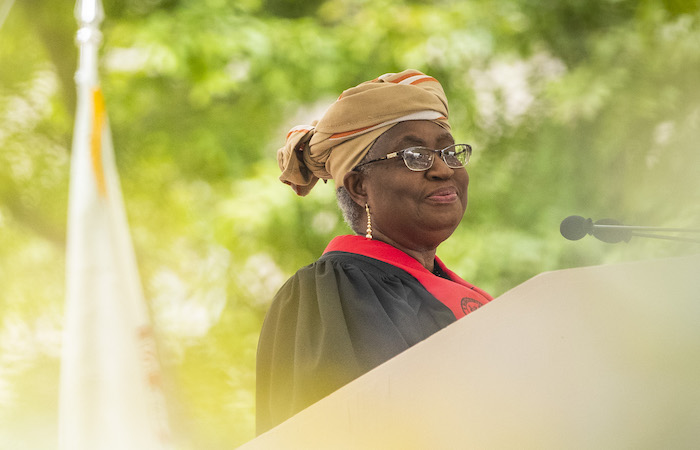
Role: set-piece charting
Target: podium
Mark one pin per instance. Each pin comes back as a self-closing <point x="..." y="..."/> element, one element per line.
<point x="586" y="358"/>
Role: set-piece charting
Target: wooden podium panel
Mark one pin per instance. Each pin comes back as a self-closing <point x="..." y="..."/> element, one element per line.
<point x="596" y="357"/>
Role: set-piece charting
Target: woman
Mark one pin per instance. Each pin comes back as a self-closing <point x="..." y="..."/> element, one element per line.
<point x="402" y="186"/>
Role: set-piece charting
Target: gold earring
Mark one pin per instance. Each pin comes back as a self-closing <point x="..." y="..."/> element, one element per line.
<point x="369" y="222"/>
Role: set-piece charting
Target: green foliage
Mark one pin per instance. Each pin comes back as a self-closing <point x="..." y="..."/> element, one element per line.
<point x="573" y="107"/>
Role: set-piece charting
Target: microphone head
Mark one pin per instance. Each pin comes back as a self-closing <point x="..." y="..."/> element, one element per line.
<point x="574" y="228"/>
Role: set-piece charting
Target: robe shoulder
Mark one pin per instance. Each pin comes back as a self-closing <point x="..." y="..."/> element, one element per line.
<point x="333" y="321"/>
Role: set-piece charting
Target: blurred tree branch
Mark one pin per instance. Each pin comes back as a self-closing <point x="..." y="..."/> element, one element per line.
<point x="55" y="25"/>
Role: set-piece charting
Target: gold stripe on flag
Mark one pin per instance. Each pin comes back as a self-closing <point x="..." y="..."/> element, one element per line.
<point x="98" y="121"/>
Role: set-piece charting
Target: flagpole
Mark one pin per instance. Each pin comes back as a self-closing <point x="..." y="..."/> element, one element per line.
<point x="89" y="14"/>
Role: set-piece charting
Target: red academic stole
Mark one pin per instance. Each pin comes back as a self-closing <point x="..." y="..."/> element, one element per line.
<point x="458" y="295"/>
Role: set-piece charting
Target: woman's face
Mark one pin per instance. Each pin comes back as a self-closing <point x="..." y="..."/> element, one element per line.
<point x="417" y="210"/>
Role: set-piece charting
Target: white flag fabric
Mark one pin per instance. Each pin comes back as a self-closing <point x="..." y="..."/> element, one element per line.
<point x="110" y="394"/>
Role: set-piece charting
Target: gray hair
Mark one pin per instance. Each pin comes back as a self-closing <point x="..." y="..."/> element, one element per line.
<point x="352" y="212"/>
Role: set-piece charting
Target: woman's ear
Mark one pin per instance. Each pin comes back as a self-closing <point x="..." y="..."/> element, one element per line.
<point x="354" y="182"/>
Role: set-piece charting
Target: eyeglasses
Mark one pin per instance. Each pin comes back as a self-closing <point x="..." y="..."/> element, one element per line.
<point x="421" y="158"/>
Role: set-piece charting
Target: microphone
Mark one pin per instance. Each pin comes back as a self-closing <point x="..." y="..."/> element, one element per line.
<point x="611" y="231"/>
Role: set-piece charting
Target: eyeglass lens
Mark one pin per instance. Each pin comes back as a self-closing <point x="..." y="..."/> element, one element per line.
<point x="421" y="158"/>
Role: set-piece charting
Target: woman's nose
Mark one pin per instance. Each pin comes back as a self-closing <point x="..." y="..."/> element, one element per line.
<point x="440" y="170"/>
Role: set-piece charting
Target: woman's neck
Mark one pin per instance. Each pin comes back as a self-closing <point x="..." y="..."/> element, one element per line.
<point x="426" y="257"/>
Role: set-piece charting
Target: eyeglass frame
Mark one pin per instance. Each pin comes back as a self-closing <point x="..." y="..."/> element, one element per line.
<point x="441" y="152"/>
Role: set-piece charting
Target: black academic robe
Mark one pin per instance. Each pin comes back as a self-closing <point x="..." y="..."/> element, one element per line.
<point x="333" y="321"/>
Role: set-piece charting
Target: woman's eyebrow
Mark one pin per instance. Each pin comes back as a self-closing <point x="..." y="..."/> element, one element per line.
<point x="412" y="140"/>
<point x="418" y="141"/>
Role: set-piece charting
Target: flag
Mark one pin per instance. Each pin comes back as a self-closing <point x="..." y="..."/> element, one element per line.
<point x="110" y="395"/>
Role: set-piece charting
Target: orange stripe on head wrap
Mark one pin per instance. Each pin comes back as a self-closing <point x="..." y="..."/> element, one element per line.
<point x="423" y="80"/>
<point x="335" y="144"/>
<point x="349" y="133"/>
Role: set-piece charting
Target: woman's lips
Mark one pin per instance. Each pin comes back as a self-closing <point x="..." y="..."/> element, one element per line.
<point x="444" y="195"/>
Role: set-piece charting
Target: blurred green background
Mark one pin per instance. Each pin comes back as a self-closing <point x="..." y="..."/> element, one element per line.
<point x="588" y="107"/>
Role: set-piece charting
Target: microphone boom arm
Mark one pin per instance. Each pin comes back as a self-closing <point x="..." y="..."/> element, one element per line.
<point x="670" y="238"/>
<point x="612" y="231"/>
<point x="635" y="228"/>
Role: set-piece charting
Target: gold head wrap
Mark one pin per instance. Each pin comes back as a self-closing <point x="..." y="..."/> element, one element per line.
<point x="332" y="146"/>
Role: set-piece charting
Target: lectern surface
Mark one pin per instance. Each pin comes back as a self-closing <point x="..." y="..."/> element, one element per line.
<point x="595" y="357"/>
